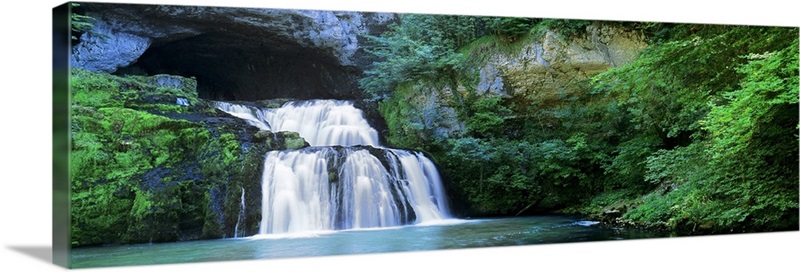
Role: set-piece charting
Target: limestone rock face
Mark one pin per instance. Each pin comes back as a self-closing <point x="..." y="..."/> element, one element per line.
<point x="103" y="51"/>
<point x="554" y="62"/>
<point x="235" y="53"/>
<point x="542" y="70"/>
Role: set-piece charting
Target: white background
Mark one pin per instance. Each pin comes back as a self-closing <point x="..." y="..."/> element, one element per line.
<point x="26" y="152"/>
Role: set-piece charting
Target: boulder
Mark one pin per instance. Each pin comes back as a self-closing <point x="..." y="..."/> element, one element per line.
<point x="281" y="140"/>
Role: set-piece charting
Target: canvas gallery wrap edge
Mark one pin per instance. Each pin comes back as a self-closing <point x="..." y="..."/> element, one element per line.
<point x="240" y="133"/>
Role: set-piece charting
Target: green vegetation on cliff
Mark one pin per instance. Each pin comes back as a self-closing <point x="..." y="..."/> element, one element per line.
<point x="140" y="176"/>
<point x="698" y="134"/>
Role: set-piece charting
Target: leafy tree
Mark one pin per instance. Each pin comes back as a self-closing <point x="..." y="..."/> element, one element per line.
<point x="420" y="46"/>
<point x="717" y="107"/>
<point x="487" y="116"/>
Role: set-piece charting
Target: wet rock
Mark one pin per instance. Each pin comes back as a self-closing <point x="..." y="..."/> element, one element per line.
<point x="281" y="140"/>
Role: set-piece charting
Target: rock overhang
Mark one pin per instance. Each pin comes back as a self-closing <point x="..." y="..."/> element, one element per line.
<point x="234" y="53"/>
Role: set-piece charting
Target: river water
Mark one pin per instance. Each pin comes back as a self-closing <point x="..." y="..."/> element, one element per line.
<point x="447" y="234"/>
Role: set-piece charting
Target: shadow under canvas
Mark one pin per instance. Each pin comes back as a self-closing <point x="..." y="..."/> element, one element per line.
<point x="42" y="253"/>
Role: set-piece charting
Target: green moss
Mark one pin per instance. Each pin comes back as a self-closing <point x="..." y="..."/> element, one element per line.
<point x="112" y="149"/>
<point x="211" y="226"/>
<point x="99" y="90"/>
<point x="163" y="108"/>
<point x="99" y="213"/>
<point x="141" y="205"/>
<point x="122" y="142"/>
<point x="95" y="90"/>
<point x="281" y="140"/>
<point x="402" y="118"/>
<point x="138" y="176"/>
<point x="293" y="140"/>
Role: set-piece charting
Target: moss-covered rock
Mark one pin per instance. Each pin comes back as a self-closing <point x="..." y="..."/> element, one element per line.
<point x="281" y="140"/>
<point x="293" y="140"/>
<point x="147" y="169"/>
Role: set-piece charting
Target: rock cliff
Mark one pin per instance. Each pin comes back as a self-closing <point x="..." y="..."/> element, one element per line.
<point x="554" y="61"/>
<point x="542" y="68"/>
<point x="234" y="53"/>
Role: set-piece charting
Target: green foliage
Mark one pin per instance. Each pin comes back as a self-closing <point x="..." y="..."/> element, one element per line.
<point x="770" y="80"/>
<point x="506" y="177"/>
<point x="628" y="161"/>
<point x="432" y="47"/>
<point x="476" y="52"/>
<point x="667" y="88"/>
<point x="698" y="134"/>
<point x="406" y="128"/>
<point x="753" y="141"/>
<point x="487" y="117"/>
<point x="510" y="28"/>
<point x="489" y="186"/>
<point x="607" y="200"/>
<point x="733" y="90"/>
<point x="569" y="28"/>
<point x="79" y="23"/>
<point x="504" y="163"/>
<point x="420" y="46"/>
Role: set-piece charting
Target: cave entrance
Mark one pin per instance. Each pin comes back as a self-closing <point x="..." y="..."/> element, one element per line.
<point x="237" y="66"/>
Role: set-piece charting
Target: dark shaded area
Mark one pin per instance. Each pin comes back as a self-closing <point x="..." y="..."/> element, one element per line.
<point x="374" y="118"/>
<point x="42" y="253"/>
<point x="250" y="66"/>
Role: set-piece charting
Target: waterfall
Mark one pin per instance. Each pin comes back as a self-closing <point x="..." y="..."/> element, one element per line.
<point x="242" y="214"/>
<point x="251" y="115"/>
<point x="319" y="122"/>
<point x="345" y="179"/>
<point x="324" y="122"/>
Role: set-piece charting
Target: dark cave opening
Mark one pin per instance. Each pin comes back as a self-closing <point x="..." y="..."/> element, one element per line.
<point x="250" y="66"/>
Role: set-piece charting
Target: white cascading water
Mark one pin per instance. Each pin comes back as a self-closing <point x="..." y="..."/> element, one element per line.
<point x="319" y="122"/>
<point x="324" y="122"/>
<point x="242" y="213"/>
<point x="251" y="115"/>
<point x="324" y="187"/>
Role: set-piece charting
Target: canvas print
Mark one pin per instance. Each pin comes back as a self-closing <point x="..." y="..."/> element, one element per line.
<point x="202" y="133"/>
